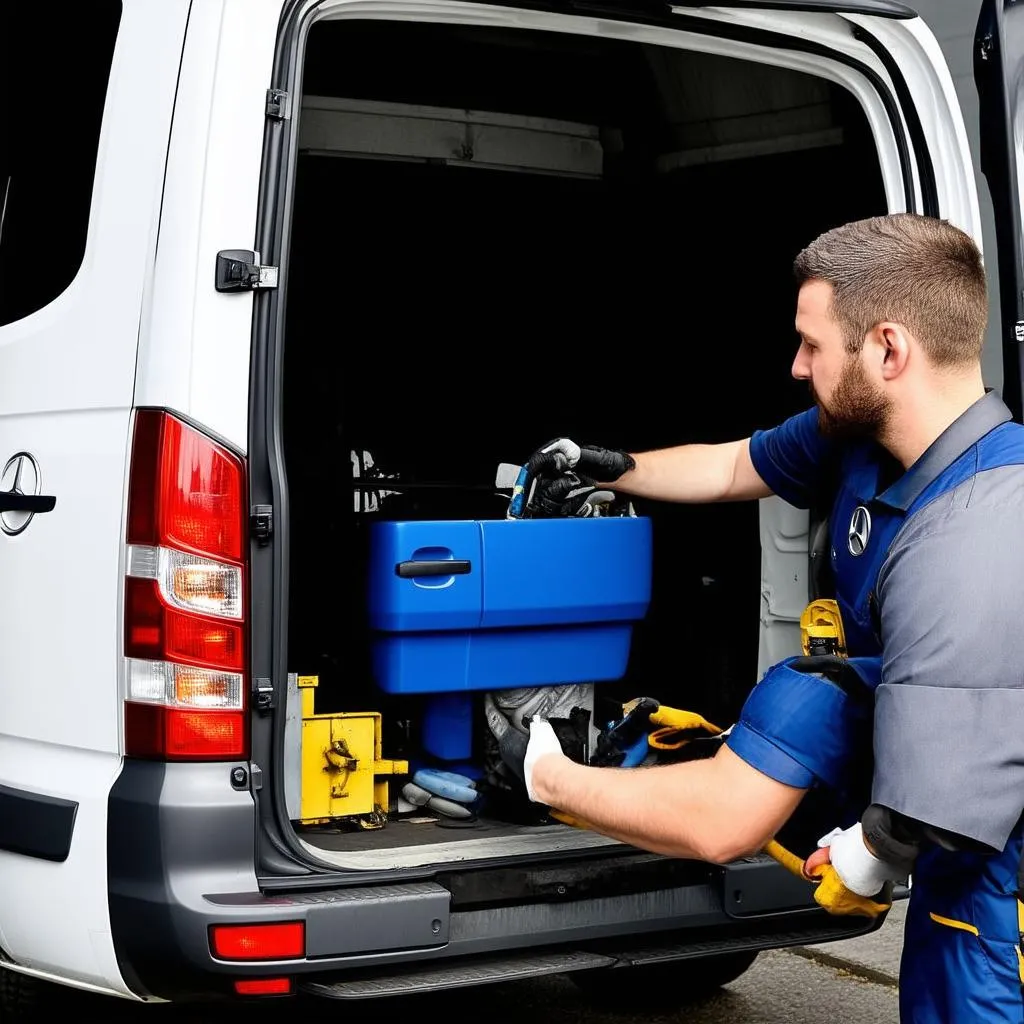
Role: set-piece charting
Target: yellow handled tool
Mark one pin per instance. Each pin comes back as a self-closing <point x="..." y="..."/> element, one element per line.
<point x="789" y="860"/>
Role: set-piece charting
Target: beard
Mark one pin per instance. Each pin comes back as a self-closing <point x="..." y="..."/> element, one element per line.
<point x="856" y="409"/>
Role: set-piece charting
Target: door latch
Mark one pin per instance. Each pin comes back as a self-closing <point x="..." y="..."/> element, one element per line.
<point x="240" y="270"/>
<point x="263" y="694"/>
<point x="261" y="523"/>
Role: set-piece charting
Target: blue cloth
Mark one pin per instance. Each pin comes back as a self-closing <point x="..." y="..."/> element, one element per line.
<point x="948" y="748"/>
<point x="780" y="728"/>
<point x="449" y="785"/>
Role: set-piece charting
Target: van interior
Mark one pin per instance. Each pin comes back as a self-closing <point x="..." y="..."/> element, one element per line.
<point x="502" y="236"/>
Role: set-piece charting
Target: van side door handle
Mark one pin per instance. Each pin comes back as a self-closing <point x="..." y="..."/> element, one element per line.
<point x="12" y="501"/>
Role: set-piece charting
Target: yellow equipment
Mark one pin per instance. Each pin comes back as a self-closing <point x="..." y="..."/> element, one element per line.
<point x="821" y="629"/>
<point x="341" y="762"/>
<point x="821" y="633"/>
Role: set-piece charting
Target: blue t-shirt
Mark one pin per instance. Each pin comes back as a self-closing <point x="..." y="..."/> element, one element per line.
<point x="792" y="458"/>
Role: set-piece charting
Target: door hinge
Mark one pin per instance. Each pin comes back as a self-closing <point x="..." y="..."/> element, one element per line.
<point x="241" y="270"/>
<point x="277" y="104"/>
<point x="261" y="523"/>
<point x="263" y="694"/>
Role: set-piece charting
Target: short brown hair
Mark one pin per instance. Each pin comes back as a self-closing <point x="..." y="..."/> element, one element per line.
<point x="918" y="271"/>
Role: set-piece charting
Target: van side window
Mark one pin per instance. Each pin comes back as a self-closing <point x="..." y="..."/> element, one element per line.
<point x="54" y="73"/>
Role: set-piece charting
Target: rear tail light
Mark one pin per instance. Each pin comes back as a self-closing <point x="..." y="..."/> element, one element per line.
<point x="281" y="941"/>
<point x="264" y="986"/>
<point x="183" y="686"/>
<point x="189" y="582"/>
<point x="185" y="491"/>
<point x="178" y="734"/>
<point x="185" y="627"/>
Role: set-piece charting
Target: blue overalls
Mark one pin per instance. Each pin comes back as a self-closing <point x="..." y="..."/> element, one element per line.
<point x="961" y="957"/>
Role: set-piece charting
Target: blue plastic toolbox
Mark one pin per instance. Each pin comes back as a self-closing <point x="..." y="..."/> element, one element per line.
<point x="492" y="604"/>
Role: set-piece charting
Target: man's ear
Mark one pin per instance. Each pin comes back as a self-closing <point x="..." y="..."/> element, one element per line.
<point x="889" y="349"/>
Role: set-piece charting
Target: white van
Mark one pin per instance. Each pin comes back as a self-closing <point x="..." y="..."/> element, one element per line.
<point x="283" y="280"/>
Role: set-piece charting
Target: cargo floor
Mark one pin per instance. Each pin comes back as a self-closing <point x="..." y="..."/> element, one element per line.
<point x="411" y="842"/>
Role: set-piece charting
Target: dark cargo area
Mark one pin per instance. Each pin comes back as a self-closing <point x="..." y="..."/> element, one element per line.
<point x="443" y="318"/>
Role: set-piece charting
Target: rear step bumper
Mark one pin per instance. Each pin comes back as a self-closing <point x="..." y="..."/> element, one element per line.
<point x="515" y="967"/>
<point x="181" y="860"/>
<point x="477" y="971"/>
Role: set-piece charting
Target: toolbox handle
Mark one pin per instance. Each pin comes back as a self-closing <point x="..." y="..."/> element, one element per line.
<point x="439" y="567"/>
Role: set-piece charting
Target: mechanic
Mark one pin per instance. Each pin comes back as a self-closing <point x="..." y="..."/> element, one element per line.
<point x="923" y="470"/>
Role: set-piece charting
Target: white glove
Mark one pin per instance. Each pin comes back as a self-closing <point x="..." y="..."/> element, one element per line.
<point x="858" y="868"/>
<point x="542" y="741"/>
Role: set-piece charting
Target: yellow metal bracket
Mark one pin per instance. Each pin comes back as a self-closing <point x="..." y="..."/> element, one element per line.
<point x="342" y="764"/>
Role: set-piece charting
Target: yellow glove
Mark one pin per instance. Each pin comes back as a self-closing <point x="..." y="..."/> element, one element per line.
<point x="831" y="894"/>
<point x="672" y="725"/>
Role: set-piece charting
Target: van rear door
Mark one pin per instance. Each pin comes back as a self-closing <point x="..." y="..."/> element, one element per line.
<point x="878" y="50"/>
<point x="80" y="188"/>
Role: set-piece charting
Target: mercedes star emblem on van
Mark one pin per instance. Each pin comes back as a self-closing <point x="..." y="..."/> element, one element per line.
<point x="860" y="531"/>
<point x="20" y="476"/>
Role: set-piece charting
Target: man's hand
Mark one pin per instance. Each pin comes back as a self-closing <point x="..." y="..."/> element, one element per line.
<point x="566" y="476"/>
<point x="543" y="742"/>
<point x="834" y="892"/>
<point x="592" y="465"/>
<point x="603" y="465"/>
<point x="856" y="865"/>
<point x="558" y="456"/>
<point x="565" y="496"/>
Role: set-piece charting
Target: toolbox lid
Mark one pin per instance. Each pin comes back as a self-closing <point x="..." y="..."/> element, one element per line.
<point x="493" y="574"/>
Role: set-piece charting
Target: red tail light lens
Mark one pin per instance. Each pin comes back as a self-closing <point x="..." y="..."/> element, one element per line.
<point x="263" y="986"/>
<point x="285" y="941"/>
<point x="188" y="492"/>
<point x="155" y="631"/>
<point x="177" y="734"/>
<point x="185" y="625"/>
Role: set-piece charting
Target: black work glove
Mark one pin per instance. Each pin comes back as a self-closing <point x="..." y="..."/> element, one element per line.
<point x="566" y="475"/>
<point x="590" y="464"/>
<point x="561" y="496"/>
<point x="603" y="464"/>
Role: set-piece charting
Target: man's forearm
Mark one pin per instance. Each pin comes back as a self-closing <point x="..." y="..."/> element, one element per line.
<point x="692" y="473"/>
<point x="681" y="810"/>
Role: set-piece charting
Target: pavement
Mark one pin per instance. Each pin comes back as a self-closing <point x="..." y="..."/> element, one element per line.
<point x="874" y="957"/>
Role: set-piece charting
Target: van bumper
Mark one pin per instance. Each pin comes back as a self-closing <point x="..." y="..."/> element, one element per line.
<point x="181" y="842"/>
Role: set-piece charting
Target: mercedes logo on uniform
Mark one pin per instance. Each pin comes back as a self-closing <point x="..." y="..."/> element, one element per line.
<point x="20" y="476"/>
<point x="860" y="531"/>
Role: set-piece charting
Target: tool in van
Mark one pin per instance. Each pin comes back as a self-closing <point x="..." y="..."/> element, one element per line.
<point x="344" y="775"/>
<point x="821" y="629"/>
<point x="569" y="490"/>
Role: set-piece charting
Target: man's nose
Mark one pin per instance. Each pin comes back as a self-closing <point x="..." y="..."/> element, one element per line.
<point x="801" y="368"/>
